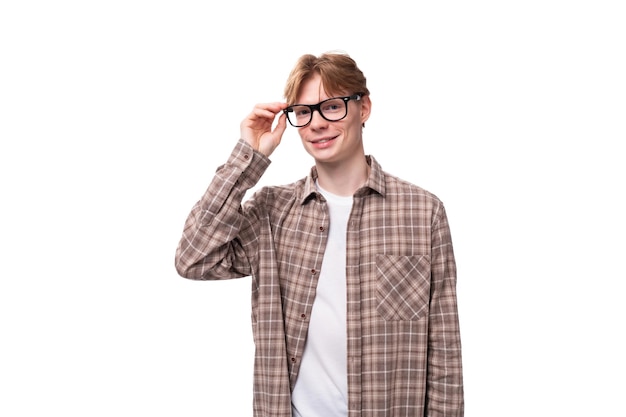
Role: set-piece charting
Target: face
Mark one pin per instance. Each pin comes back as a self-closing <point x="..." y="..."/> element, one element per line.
<point x="333" y="142"/>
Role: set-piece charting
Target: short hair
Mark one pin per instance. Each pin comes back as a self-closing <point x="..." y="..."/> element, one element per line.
<point x="338" y="71"/>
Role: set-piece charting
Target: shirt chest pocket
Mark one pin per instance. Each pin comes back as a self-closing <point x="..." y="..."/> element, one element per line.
<point x="403" y="286"/>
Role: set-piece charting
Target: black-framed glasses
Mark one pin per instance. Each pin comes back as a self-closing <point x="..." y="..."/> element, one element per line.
<point x="332" y="109"/>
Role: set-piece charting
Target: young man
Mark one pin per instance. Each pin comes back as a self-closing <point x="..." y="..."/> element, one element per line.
<point x="353" y="273"/>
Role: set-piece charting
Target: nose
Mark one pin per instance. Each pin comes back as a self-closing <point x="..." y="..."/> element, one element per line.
<point x="317" y="121"/>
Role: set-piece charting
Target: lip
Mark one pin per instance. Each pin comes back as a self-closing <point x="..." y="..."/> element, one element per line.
<point x="322" y="141"/>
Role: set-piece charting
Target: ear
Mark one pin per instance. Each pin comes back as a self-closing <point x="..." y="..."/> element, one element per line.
<point x="366" y="108"/>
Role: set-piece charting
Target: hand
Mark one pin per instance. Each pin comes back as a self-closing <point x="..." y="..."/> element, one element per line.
<point x="256" y="128"/>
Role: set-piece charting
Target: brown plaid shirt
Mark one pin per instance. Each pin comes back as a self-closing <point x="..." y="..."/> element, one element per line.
<point x="404" y="348"/>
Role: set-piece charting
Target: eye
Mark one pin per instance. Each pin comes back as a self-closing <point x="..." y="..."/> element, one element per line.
<point x="333" y="106"/>
<point x="301" y="111"/>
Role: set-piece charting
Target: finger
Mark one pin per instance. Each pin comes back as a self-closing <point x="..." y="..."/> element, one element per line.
<point x="276" y="106"/>
<point x="281" y="125"/>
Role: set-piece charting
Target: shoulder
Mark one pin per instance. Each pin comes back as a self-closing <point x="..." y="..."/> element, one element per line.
<point x="400" y="188"/>
<point x="280" y="195"/>
<point x="392" y="186"/>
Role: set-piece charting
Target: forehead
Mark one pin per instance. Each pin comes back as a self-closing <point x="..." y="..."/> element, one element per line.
<point x="312" y="91"/>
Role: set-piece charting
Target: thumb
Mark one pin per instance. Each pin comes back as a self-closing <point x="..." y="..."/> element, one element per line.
<point x="281" y="125"/>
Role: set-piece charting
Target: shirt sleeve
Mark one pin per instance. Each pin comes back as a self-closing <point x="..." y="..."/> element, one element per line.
<point x="445" y="376"/>
<point x="212" y="245"/>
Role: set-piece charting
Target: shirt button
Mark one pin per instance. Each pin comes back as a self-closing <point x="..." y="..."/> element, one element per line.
<point x="303" y="315"/>
<point x="313" y="271"/>
<point x="293" y="359"/>
<point x="246" y="156"/>
<point x="321" y="228"/>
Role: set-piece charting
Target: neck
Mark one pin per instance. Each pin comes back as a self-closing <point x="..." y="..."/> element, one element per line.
<point x="342" y="179"/>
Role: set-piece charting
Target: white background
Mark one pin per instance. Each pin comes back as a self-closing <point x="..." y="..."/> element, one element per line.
<point x="114" y="116"/>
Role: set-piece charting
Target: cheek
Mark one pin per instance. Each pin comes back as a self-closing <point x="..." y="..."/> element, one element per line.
<point x="303" y="132"/>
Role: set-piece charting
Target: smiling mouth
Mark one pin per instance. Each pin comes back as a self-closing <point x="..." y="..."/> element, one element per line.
<point x="323" y="140"/>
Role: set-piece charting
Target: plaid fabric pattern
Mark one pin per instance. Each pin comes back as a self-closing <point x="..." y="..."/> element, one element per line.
<point x="404" y="348"/>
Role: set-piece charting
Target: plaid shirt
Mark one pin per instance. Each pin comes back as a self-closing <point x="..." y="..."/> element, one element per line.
<point x="403" y="339"/>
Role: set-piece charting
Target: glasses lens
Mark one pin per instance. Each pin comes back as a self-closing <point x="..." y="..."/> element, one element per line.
<point x="299" y="115"/>
<point x="334" y="109"/>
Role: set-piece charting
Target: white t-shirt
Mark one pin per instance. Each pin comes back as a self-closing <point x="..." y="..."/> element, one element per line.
<point x="321" y="389"/>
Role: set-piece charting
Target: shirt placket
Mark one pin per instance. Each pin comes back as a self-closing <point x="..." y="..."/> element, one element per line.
<point x="353" y="289"/>
<point x="319" y="225"/>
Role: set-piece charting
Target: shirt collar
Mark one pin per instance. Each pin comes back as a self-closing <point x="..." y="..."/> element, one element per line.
<point x="375" y="182"/>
